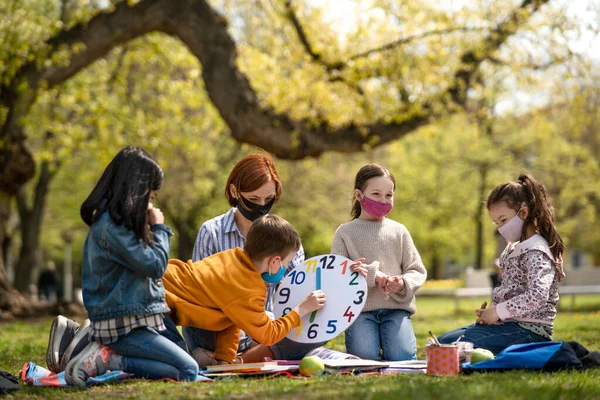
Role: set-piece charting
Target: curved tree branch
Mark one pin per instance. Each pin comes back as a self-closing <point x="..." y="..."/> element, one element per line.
<point x="471" y="59"/>
<point x="204" y="31"/>
<point x="342" y="64"/>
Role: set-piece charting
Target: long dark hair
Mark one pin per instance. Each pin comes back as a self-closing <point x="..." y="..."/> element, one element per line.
<point x="360" y="182"/>
<point x="124" y="191"/>
<point x="526" y="190"/>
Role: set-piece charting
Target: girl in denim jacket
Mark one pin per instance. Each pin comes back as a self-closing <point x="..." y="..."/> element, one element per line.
<point x="124" y="258"/>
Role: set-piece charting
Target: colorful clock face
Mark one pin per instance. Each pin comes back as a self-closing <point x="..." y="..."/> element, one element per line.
<point x="346" y="293"/>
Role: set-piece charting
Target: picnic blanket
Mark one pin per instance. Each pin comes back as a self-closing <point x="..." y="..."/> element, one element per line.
<point x="37" y="375"/>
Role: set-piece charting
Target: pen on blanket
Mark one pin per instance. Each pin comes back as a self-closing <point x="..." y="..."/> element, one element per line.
<point x="314" y="313"/>
<point x="437" y="343"/>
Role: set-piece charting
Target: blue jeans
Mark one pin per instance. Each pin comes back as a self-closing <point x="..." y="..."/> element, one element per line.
<point x="386" y="330"/>
<point x="495" y="338"/>
<point x="148" y="354"/>
<point x="172" y="333"/>
<point x="196" y="337"/>
<point x="285" y="349"/>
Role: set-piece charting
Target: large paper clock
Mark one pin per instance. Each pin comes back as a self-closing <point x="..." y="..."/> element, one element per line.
<point x="346" y="293"/>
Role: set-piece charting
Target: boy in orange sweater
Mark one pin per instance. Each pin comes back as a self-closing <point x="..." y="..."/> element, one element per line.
<point x="226" y="291"/>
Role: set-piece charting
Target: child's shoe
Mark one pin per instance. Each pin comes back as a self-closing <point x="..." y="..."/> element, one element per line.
<point x="79" y="342"/>
<point x="62" y="332"/>
<point x="205" y="358"/>
<point x="91" y="362"/>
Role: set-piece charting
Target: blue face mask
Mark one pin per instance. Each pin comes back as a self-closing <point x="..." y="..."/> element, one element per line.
<point x="274" y="278"/>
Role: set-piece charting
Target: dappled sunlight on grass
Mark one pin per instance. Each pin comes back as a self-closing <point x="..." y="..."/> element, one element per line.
<point x="27" y="340"/>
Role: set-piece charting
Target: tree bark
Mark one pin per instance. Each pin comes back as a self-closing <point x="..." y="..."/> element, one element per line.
<point x="11" y="301"/>
<point x="31" y="223"/>
<point x="479" y="225"/>
<point x="186" y="237"/>
<point x="437" y="266"/>
<point x="204" y="31"/>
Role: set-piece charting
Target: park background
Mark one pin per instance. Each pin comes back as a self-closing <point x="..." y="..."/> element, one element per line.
<point x="374" y="81"/>
<point x="454" y="97"/>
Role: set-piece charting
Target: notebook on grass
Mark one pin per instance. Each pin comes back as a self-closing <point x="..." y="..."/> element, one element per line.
<point x="354" y="365"/>
<point x="246" y="367"/>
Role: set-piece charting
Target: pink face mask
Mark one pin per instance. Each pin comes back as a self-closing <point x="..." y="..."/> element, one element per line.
<point x="375" y="208"/>
<point x="512" y="229"/>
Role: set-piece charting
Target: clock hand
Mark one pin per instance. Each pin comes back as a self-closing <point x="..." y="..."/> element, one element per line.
<point x="314" y="313"/>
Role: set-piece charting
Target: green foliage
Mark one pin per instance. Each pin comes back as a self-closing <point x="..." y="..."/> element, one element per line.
<point x="149" y="92"/>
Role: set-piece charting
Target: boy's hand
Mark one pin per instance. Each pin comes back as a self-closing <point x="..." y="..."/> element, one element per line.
<point x="357" y="266"/>
<point x="394" y="284"/>
<point x="314" y="301"/>
<point x="155" y="216"/>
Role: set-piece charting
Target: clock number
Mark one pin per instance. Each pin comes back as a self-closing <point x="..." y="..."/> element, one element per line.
<point x="311" y="264"/>
<point x="312" y="331"/>
<point x="284" y="292"/>
<point x="324" y="261"/>
<point x="296" y="277"/>
<point x="344" y="264"/>
<point x="349" y="314"/>
<point x="355" y="277"/>
<point x="331" y="324"/>
<point x="285" y="311"/>
<point x="361" y="294"/>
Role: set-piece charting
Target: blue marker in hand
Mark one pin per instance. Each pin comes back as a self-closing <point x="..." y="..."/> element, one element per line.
<point x="314" y="313"/>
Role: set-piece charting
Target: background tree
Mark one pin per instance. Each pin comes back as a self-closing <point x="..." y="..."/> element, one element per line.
<point x="278" y="76"/>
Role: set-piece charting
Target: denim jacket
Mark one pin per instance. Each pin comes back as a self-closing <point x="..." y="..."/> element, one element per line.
<point x="121" y="275"/>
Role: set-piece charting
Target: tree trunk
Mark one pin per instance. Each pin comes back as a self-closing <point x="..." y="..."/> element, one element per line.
<point x="204" y="31"/>
<point x="437" y="266"/>
<point x="11" y="301"/>
<point x="31" y="224"/>
<point x="483" y="170"/>
<point x="186" y="237"/>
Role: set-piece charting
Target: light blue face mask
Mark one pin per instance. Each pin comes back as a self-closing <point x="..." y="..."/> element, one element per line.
<point x="274" y="278"/>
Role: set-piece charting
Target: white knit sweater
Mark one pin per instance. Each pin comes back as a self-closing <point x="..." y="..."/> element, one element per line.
<point x="387" y="246"/>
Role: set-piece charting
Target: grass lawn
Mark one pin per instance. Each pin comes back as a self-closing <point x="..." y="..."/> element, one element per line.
<point x="27" y="340"/>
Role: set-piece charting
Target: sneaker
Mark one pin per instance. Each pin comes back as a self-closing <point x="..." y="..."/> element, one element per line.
<point x="79" y="342"/>
<point x="205" y="358"/>
<point x="62" y="332"/>
<point x="91" y="362"/>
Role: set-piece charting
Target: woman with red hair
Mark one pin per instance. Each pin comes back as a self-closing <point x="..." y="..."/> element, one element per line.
<point x="253" y="186"/>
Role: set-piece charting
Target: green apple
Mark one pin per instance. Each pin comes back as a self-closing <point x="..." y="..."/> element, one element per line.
<point x="481" y="355"/>
<point x="312" y="366"/>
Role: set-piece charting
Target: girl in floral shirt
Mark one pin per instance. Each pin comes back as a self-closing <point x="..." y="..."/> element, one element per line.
<point x="524" y="306"/>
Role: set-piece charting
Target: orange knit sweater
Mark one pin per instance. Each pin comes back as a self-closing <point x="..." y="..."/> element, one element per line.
<point x="224" y="293"/>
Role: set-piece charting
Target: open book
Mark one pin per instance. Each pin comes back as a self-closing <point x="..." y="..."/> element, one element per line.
<point x="336" y="361"/>
<point x="329" y="354"/>
<point x="247" y="367"/>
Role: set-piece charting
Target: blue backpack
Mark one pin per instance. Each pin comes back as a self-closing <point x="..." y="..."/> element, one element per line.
<point x="543" y="356"/>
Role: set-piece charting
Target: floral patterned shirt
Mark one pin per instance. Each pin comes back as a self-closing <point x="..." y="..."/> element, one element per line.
<point x="529" y="290"/>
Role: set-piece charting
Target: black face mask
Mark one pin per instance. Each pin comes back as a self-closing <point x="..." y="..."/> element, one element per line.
<point x="256" y="210"/>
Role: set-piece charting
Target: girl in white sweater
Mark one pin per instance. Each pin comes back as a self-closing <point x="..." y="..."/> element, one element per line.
<point x="386" y="255"/>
